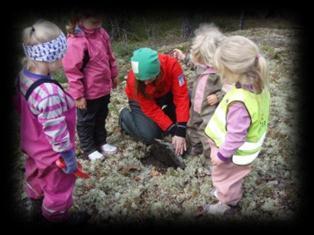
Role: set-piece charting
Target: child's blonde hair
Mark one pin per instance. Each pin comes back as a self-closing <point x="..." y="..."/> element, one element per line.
<point x="40" y="32"/>
<point x="207" y="39"/>
<point x="241" y="56"/>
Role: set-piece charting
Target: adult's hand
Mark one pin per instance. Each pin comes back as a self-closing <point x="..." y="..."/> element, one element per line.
<point x="179" y="144"/>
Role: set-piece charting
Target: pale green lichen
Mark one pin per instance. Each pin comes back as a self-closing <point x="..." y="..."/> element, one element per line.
<point x="125" y="188"/>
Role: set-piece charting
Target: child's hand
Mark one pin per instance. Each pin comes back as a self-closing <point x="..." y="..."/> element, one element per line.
<point x="69" y="158"/>
<point x="212" y="99"/>
<point x="81" y="103"/>
<point x="178" y="54"/>
<point x="115" y="83"/>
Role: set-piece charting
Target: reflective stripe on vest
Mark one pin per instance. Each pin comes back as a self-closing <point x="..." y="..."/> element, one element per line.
<point x="216" y="128"/>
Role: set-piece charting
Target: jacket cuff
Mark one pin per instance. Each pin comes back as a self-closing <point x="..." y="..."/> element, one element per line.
<point x="181" y="129"/>
<point x="68" y="154"/>
<point x="171" y="129"/>
<point x="223" y="158"/>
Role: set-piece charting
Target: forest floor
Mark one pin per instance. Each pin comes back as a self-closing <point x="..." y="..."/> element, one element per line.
<point x="126" y="187"/>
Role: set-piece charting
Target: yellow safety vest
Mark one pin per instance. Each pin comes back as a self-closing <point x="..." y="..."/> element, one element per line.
<point x="257" y="106"/>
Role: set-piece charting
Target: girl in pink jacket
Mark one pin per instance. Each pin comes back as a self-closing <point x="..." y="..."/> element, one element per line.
<point x="91" y="70"/>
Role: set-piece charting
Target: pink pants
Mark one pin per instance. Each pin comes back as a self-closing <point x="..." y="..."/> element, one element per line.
<point x="228" y="179"/>
<point x="53" y="185"/>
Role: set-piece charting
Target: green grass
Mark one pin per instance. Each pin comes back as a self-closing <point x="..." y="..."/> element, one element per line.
<point x="60" y="77"/>
<point x="123" y="49"/>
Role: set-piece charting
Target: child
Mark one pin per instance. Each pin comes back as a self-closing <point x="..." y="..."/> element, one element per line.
<point x="91" y="70"/>
<point x="47" y="126"/>
<point x="239" y="124"/>
<point x="207" y="88"/>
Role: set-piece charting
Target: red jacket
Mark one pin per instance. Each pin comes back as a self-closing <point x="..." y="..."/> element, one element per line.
<point x="172" y="80"/>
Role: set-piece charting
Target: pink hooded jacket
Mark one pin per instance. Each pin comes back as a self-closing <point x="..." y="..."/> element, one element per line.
<point x="95" y="80"/>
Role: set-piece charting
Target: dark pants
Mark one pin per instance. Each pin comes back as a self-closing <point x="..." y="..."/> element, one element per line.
<point x="91" y="124"/>
<point x="136" y="124"/>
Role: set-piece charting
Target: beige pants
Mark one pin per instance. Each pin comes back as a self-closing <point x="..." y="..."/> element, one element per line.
<point x="228" y="179"/>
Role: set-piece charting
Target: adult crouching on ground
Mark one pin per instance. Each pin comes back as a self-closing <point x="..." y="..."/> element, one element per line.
<point x="158" y="99"/>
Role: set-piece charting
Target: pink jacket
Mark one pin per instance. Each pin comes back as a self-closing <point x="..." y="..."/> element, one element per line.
<point x="96" y="79"/>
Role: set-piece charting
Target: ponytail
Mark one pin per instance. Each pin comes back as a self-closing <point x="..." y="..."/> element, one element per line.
<point x="263" y="70"/>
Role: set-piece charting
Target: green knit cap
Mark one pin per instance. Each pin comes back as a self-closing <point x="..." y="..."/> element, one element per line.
<point x="145" y="64"/>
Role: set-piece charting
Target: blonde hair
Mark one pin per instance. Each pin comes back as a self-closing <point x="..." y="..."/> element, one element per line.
<point x="207" y="39"/>
<point x="40" y="32"/>
<point x="241" y="56"/>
